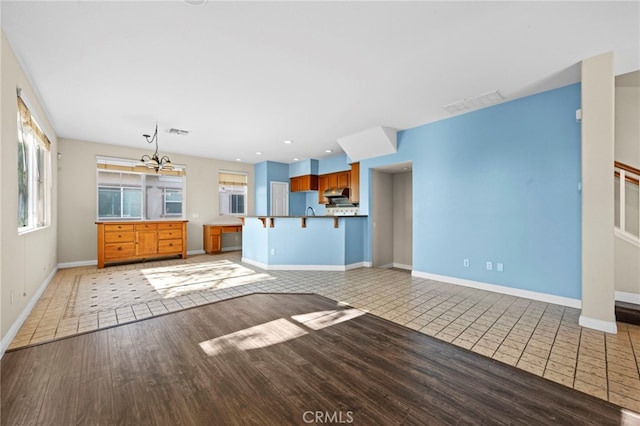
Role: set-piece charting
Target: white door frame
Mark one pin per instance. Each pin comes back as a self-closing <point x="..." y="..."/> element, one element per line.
<point x="286" y="198"/>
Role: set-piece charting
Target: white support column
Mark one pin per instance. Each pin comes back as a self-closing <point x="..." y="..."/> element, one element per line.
<point x="598" y="288"/>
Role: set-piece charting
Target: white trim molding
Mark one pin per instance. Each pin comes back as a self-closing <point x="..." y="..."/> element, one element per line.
<point x="622" y="296"/>
<point x="6" y="340"/>
<point x="65" y="265"/>
<point x="596" y="324"/>
<point x="626" y="236"/>
<point x="306" y="267"/>
<point x="527" y="294"/>
<point x="402" y="266"/>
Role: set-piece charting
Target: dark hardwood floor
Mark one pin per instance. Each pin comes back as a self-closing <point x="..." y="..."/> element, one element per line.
<point x="258" y="360"/>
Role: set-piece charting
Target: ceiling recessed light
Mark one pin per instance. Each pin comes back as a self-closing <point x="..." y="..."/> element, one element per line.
<point x="238" y="159"/>
<point x="328" y="150"/>
<point x="259" y="153"/>
<point x="296" y="159"/>
<point x="288" y="142"/>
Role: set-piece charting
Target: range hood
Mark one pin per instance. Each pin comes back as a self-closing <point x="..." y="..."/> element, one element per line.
<point x="336" y="192"/>
<point x="338" y="197"/>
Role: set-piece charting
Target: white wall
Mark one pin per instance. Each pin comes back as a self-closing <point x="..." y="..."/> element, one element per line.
<point x="402" y="220"/>
<point x="382" y="219"/>
<point x="27" y="260"/>
<point x="77" y="194"/>
<point x="627" y="146"/>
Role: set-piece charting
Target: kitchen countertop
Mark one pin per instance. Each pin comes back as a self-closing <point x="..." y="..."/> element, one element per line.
<point x="305" y="217"/>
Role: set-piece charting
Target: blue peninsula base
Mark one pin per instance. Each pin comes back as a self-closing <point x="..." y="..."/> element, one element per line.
<point x="320" y="243"/>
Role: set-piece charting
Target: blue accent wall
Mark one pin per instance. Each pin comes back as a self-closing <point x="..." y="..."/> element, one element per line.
<point x="304" y="167"/>
<point x="336" y="163"/>
<point x="262" y="189"/>
<point x="501" y="185"/>
<point x="265" y="173"/>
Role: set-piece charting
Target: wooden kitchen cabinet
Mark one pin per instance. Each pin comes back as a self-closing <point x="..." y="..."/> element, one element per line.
<point x="342" y="179"/>
<point x="304" y="183"/>
<point x="212" y="236"/>
<point x="354" y="183"/>
<point x="323" y="185"/>
<point x="333" y="180"/>
<point x="124" y="241"/>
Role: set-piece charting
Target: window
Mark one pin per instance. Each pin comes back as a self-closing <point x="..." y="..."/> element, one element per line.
<point x="233" y="193"/>
<point x="127" y="190"/>
<point x="172" y="202"/>
<point x="119" y="195"/>
<point x="34" y="164"/>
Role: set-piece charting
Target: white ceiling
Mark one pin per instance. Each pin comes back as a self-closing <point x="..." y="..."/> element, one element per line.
<point x="245" y="76"/>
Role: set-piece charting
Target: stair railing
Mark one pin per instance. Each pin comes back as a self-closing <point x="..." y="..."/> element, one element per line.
<point x="628" y="228"/>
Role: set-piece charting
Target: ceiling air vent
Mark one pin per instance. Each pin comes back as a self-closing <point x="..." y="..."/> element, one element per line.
<point x="178" y="132"/>
<point x="484" y="100"/>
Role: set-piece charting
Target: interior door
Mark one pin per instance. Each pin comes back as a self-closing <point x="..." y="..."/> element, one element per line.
<point x="279" y="199"/>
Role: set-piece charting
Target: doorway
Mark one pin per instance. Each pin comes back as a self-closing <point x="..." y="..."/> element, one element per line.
<point x="279" y="198"/>
<point x="392" y="216"/>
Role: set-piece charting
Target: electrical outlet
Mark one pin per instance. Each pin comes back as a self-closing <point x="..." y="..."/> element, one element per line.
<point x="273" y="252"/>
<point x="499" y="267"/>
<point x="489" y="266"/>
<point x="466" y="263"/>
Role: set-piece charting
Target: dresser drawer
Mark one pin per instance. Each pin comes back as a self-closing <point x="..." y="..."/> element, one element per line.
<point x="170" y="225"/>
<point x="146" y="226"/>
<point x="118" y="227"/>
<point x="226" y="229"/>
<point x="170" y="246"/>
<point x="118" y="237"/>
<point x="170" y="234"/>
<point x="119" y="250"/>
<point x="215" y="230"/>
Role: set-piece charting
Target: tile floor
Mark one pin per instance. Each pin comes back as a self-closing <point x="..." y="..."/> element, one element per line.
<point x="538" y="337"/>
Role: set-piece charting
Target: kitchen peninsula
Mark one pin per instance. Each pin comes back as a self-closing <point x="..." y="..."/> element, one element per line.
<point x="323" y="243"/>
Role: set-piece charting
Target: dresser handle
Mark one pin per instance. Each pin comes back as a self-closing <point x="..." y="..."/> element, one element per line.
<point x="119" y="248"/>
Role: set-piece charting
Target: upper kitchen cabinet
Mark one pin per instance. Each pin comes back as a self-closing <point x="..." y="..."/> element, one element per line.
<point x="354" y="183"/>
<point x="346" y="179"/>
<point x="304" y="183"/>
<point x="343" y="179"/>
<point x="323" y="185"/>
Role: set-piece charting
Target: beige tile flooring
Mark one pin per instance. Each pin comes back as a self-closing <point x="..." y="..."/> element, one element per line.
<point x="538" y="337"/>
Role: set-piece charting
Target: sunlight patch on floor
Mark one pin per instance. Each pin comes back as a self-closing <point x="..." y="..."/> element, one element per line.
<point x="321" y="319"/>
<point x="256" y="337"/>
<point x="277" y="331"/>
<point x="173" y="281"/>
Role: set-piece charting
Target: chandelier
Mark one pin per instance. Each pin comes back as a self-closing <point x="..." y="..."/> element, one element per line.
<point x="154" y="161"/>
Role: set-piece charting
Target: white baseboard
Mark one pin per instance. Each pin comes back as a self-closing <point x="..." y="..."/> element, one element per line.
<point x="622" y="296"/>
<point x="357" y="265"/>
<point x="386" y="266"/>
<point x="236" y="248"/>
<point x="254" y="263"/>
<point x="596" y="324"/>
<point x="6" y="340"/>
<point x="527" y="294"/>
<point x="95" y="262"/>
<point x="76" y="264"/>
<point x="306" y="267"/>
<point x="402" y="266"/>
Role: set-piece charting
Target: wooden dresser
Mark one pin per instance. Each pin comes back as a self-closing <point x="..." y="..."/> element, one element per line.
<point x="124" y="241"/>
<point x="212" y="236"/>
